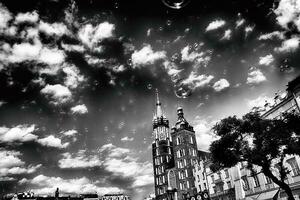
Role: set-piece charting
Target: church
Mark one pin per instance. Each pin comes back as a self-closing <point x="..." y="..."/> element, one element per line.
<point x="174" y="155"/>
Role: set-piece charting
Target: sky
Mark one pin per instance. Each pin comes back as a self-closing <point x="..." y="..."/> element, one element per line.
<point x="78" y="81"/>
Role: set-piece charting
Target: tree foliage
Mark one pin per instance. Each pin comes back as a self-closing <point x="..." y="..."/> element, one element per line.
<point x="258" y="141"/>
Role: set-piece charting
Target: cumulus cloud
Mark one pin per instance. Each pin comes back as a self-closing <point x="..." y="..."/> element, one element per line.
<point x="79" y="109"/>
<point x="255" y="76"/>
<point x="70" y="133"/>
<point x="34" y="52"/>
<point x="52" y="141"/>
<point x="192" y="56"/>
<point x="55" y="29"/>
<point x="266" y="60"/>
<point x="221" y="85"/>
<point x="46" y="185"/>
<point x="289" y="45"/>
<point x="272" y="35"/>
<point x="20" y="133"/>
<point x="197" y="81"/>
<point x="11" y="164"/>
<point x="227" y="35"/>
<point x="288" y="12"/>
<point x="260" y="101"/>
<point x="146" y="56"/>
<point x="90" y="35"/>
<point x="5" y="17"/>
<point x="126" y="138"/>
<point x="73" y="77"/>
<point x="51" y="56"/>
<point x="57" y="94"/>
<point x="79" y="160"/>
<point x="215" y="25"/>
<point x="204" y="135"/>
<point x="121" y="163"/>
<point x="29" y="17"/>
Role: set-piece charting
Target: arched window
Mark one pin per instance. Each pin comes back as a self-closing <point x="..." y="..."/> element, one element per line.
<point x="178" y="140"/>
<point x="191" y="139"/>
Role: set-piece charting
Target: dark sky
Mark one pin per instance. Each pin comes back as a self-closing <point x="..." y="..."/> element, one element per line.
<point x="78" y="80"/>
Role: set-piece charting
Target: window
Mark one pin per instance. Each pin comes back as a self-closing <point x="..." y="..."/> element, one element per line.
<point x="187" y="184"/>
<point x="180" y="153"/>
<point x="268" y="180"/>
<point x="212" y="178"/>
<point x="215" y="189"/>
<point x="186" y="173"/>
<point x="184" y="160"/>
<point x="180" y="164"/>
<point x="203" y="175"/>
<point x="181" y="186"/>
<point x="191" y="140"/>
<point x="226" y="173"/>
<point x="178" y="140"/>
<point x="228" y="184"/>
<point x="245" y="183"/>
<point x="205" y="186"/>
<point x="295" y="168"/>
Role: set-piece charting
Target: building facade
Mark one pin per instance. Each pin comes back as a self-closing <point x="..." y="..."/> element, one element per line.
<point x="174" y="154"/>
<point x="238" y="182"/>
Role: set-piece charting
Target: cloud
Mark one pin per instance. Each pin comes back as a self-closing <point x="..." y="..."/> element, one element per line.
<point x="52" y="141"/>
<point x="24" y="51"/>
<point x="70" y="133"/>
<point x="47" y="184"/>
<point x="29" y="17"/>
<point x="5" y="17"/>
<point x="55" y="29"/>
<point x="204" y="135"/>
<point x="34" y="52"/>
<point x="255" y="76"/>
<point x="73" y="77"/>
<point x="120" y="162"/>
<point x="248" y="30"/>
<point x="11" y="164"/>
<point x="127" y="139"/>
<point x="221" y="85"/>
<point x="197" y="81"/>
<point x="79" y="160"/>
<point x="227" y="35"/>
<point x="146" y="56"/>
<point x="90" y="35"/>
<point x="272" y="35"/>
<point x="215" y="25"/>
<point x="260" y="101"/>
<point x="51" y="56"/>
<point x="20" y="133"/>
<point x="288" y="12"/>
<point x="266" y="60"/>
<point x="79" y="109"/>
<point x="289" y="45"/>
<point x="193" y="56"/>
<point x="58" y="94"/>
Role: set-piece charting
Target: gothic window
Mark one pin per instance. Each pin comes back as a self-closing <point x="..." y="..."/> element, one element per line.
<point x="184" y="160"/>
<point x="187" y="184"/>
<point x="191" y="140"/>
<point x="186" y="173"/>
<point x="268" y="180"/>
<point x="245" y="183"/>
<point x="178" y="140"/>
<point x="256" y="181"/>
<point x="226" y="173"/>
<point x="294" y="166"/>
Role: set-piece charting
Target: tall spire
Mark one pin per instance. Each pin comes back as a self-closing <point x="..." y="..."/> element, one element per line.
<point x="159" y="112"/>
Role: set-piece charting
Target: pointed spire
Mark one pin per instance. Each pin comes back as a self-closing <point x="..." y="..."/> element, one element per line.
<point x="159" y="112"/>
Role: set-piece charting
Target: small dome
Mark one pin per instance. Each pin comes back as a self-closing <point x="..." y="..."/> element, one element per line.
<point x="179" y="108"/>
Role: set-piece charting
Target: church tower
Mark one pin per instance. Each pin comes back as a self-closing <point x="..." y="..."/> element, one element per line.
<point x="185" y="155"/>
<point x="162" y="151"/>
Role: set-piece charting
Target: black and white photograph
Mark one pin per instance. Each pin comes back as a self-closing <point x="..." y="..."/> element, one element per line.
<point x="149" y="99"/>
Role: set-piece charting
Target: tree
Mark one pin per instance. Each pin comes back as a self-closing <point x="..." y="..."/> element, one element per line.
<point x="259" y="142"/>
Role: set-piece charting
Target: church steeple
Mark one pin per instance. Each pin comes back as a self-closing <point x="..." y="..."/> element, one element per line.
<point x="159" y="112"/>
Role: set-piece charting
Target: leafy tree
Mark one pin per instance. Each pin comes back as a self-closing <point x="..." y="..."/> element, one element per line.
<point x="258" y="141"/>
